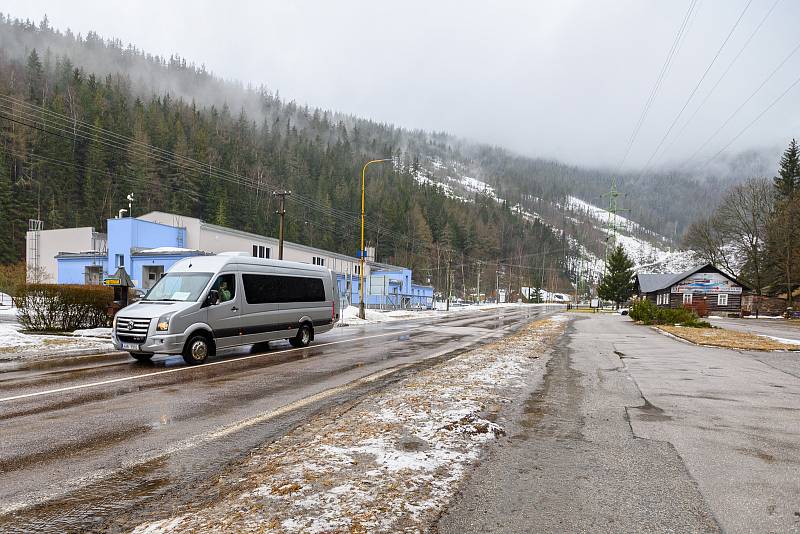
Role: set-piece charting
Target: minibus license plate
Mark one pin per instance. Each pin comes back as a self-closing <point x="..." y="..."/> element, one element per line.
<point x="130" y="346"/>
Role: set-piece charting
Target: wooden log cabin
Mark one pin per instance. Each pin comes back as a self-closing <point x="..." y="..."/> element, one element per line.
<point x="705" y="288"/>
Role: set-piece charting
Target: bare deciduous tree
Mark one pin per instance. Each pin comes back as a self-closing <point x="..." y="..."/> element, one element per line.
<point x="734" y="236"/>
<point x="744" y="215"/>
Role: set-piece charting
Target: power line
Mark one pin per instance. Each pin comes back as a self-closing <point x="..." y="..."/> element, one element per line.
<point x="659" y="81"/>
<point x="722" y="76"/>
<point x="697" y="86"/>
<point x="743" y="130"/>
<point x="742" y="105"/>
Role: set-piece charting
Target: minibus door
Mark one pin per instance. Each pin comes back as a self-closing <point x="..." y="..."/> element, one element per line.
<point x="224" y="317"/>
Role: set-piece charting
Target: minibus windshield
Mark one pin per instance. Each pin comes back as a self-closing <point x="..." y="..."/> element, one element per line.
<point x="180" y="287"/>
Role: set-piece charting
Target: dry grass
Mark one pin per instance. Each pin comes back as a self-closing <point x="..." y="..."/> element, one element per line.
<point x="729" y="339"/>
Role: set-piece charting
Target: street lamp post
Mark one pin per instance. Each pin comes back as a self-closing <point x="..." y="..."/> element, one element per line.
<point x="361" y="311"/>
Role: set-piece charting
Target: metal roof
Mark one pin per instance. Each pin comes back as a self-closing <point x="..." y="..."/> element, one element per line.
<point x="656" y="281"/>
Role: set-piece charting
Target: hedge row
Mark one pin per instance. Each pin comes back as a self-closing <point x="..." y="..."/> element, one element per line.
<point x="63" y="308"/>
<point x="648" y="313"/>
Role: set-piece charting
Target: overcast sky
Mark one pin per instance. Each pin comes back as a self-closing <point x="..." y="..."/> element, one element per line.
<point x="566" y="79"/>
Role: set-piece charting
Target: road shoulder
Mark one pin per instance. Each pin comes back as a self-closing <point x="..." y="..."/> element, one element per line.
<point x="574" y="463"/>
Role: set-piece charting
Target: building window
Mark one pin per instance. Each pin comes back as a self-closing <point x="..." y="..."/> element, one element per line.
<point x="722" y="299"/>
<point x="120" y="260"/>
<point x="357" y="269"/>
<point x="316" y="260"/>
<point x="687" y="298"/>
<point x="260" y="251"/>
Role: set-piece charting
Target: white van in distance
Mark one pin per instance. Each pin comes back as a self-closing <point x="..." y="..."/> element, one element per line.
<point x="205" y="303"/>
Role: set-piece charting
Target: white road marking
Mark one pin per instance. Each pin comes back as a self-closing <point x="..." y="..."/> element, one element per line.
<point x="193" y="368"/>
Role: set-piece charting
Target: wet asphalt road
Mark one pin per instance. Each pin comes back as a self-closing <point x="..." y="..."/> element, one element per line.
<point x="107" y="445"/>
<point x="632" y="431"/>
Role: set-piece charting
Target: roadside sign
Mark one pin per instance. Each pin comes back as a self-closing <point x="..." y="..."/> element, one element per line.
<point x="112" y="282"/>
<point x="595" y="303"/>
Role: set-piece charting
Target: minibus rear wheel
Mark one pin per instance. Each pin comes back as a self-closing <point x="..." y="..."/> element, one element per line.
<point x="303" y="337"/>
<point x="197" y="349"/>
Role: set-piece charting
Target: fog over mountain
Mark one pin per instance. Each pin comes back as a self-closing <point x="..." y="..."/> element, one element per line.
<point x="565" y="80"/>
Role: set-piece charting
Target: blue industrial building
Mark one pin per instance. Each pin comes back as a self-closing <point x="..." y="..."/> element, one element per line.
<point x="147" y="249"/>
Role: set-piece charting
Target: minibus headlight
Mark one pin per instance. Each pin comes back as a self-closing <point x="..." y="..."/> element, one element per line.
<point x="163" y="324"/>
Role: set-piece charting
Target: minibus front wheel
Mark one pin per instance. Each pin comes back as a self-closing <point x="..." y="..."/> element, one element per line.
<point x="197" y="349"/>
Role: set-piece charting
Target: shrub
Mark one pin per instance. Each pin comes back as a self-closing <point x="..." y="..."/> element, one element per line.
<point x="63" y="308"/>
<point x="12" y="278"/>
<point x="648" y="313"/>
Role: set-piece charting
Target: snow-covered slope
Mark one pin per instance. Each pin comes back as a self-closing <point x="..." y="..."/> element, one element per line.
<point x="650" y="251"/>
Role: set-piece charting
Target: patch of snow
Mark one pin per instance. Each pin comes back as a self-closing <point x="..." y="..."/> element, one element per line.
<point x="166" y="250"/>
<point x="782" y="340"/>
<point x="93" y="332"/>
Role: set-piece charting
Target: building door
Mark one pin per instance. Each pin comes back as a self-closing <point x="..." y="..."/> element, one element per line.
<point x="151" y="274"/>
<point x="92" y="275"/>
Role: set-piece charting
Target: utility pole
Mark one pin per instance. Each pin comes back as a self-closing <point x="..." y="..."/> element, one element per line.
<point x="478" y="291"/>
<point x="497" y="284"/>
<point x="449" y="262"/>
<point x="282" y="212"/>
<point x="613" y="209"/>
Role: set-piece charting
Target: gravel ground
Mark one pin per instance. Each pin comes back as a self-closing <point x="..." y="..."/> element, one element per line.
<point x="390" y="462"/>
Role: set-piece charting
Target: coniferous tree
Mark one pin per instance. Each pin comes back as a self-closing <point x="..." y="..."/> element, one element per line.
<point x="617" y="282"/>
<point x="787" y="183"/>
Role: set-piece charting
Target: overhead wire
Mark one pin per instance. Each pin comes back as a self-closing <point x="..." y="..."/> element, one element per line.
<point x="740" y="107"/>
<point x="697" y="86"/>
<point x="747" y="127"/>
<point x="680" y="132"/>
<point x="659" y="81"/>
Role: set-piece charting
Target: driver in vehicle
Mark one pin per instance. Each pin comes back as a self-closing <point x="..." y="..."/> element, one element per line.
<point x="224" y="292"/>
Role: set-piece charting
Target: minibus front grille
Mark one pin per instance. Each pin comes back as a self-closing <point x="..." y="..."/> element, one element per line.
<point x="132" y="326"/>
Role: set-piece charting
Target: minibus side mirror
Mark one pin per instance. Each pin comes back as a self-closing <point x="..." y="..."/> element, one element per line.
<point x="212" y="298"/>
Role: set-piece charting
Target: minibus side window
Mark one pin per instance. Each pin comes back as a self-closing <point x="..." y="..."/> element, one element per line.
<point x="225" y="285"/>
<point x="270" y="289"/>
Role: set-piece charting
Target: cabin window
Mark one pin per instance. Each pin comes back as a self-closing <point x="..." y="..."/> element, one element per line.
<point x="316" y="260"/>
<point x="267" y="289"/>
<point x="687" y="298"/>
<point x="722" y="299"/>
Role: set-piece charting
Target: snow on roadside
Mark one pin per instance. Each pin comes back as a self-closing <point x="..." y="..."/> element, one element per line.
<point x="104" y="333"/>
<point x="389" y="463"/>
<point x="782" y="339"/>
<point x="18" y="345"/>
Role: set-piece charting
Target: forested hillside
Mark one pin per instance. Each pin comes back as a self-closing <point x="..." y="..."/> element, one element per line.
<point x="75" y="144"/>
<point x="85" y="121"/>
